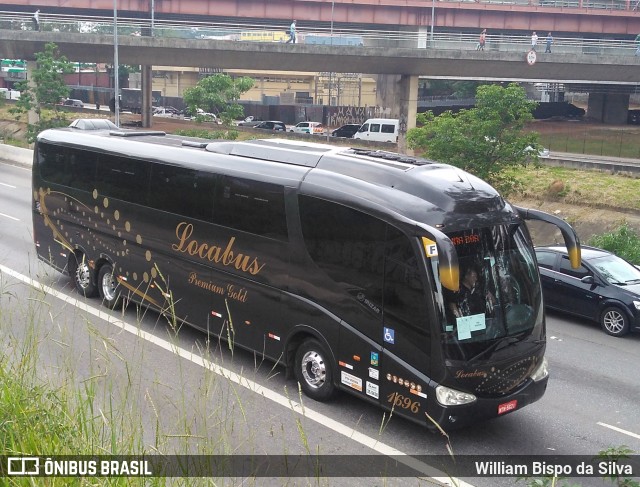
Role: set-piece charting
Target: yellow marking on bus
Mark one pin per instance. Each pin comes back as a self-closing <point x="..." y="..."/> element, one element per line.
<point x="137" y="292"/>
<point x="450" y="277"/>
<point x="574" y="256"/>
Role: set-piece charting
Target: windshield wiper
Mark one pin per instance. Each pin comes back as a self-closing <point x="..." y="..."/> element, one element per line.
<point x="495" y="346"/>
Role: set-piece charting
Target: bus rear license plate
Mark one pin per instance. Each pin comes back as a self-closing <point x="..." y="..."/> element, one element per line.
<point x="507" y="406"/>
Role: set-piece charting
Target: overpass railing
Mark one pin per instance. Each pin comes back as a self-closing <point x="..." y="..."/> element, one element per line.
<point x="420" y="38"/>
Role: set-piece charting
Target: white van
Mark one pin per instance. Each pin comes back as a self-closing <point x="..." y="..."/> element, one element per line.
<point x="379" y="130"/>
<point x="9" y="94"/>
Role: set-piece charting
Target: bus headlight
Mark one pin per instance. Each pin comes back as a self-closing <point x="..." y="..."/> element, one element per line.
<point x="542" y="371"/>
<point x="451" y="397"/>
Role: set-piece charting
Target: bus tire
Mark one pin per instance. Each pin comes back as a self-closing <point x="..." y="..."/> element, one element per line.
<point x="313" y="370"/>
<point x="108" y="286"/>
<point x="82" y="275"/>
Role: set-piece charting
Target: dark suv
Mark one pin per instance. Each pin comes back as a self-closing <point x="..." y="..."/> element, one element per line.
<point x="272" y="125"/>
<point x="605" y="288"/>
<point x="347" y="130"/>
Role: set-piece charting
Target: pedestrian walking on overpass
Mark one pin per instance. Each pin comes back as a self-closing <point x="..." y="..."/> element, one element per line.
<point x="292" y="33"/>
<point x="534" y="40"/>
<point x="482" y="40"/>
<point x="549" y="42"/>
<point x="36" y="20"/>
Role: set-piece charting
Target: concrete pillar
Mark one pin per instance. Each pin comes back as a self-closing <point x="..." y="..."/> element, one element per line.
<point x="616" y="108"/>
<point x="147" y="103"/>
<point x="397" y="95"/>
<point x="595" y="106"/>
<point x="32" y="116"/>
<point x="609" y="108"/>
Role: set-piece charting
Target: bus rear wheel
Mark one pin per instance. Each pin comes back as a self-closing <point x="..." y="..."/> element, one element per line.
<point x="108" y="286"/>
<point x="313" y="371"/>
<point x="82" y="275"/>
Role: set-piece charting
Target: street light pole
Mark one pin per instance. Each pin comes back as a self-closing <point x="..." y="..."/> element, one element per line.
<point x="116" y="74"/>
<point x="433" y="13"/>
<point x="333" y="4"/>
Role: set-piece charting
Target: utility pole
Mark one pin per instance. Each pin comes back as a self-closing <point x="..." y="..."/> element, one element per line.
<point x="116" y="74"/>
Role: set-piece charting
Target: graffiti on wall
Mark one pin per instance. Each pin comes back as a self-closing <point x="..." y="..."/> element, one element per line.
<point x="348" y="114"/>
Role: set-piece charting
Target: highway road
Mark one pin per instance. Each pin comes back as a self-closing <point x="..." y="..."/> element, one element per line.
<point x="179" y="393"/>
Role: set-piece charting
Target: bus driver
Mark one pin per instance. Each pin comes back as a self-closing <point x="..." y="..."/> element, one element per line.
<point x="470" y="299"/>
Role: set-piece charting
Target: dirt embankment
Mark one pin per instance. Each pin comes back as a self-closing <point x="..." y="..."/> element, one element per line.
<point x="12" y="129"/>
<point x="586" y="220"/>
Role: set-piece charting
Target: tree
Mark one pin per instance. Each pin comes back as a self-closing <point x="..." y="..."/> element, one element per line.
<point x="218" y="94"/>
<point x="484" y="140"/>
<point x="46" y="91"/>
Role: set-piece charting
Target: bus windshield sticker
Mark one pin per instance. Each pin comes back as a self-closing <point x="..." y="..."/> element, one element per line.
<point x="467" y="324"/>
<point x="430" y="247"/>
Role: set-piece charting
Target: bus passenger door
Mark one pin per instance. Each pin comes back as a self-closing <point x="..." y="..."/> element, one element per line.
<point x="405" y="362"/>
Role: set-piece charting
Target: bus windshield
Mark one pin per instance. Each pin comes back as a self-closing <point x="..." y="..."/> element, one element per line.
<point x="499" y="293"/>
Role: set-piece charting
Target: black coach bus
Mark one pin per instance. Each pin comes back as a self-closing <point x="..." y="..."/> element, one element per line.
<point x="406" y="282"/>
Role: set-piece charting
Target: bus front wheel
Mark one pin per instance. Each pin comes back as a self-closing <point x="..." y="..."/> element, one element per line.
<point x="314" y="371"/>
<point x="108" y="286"/>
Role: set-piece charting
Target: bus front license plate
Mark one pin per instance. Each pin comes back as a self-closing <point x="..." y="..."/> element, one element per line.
<point x="505" y="407"/>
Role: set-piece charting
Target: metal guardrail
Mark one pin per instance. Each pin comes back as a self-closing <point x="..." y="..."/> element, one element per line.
<point x="417" y="39"/>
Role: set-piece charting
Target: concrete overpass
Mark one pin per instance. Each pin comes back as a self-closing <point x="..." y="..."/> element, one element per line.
<point x="582" y="17"/>
<point x="398" y="68"/>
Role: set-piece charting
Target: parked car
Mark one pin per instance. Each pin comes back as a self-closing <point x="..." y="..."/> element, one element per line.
<point x="348" y="130"/>
<point x="543" y="152"/>
<point x="605" y="288"/>
<point x="308" y="128"/>
<point x="71" y="102"/>
<point x="273" y="125"/>
<point x="93" y="124"/>
<point x="165" y="112"/>
<point x="250" y="121"/>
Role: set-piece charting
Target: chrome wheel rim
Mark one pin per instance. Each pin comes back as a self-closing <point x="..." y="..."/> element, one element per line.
<point x="614" y="321"/>
<point x="83" y="275"/>
<point x="108" y="286"/>
<point x="313" y="369"/>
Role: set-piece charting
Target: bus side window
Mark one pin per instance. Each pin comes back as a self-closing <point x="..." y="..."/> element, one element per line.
<point x="123" y="178"/>
<point x="51" y="161"/>
<point x="68" y="166"/>
<point x="251" y="206"/>
<point x="348" y="246"/>
<point x="183" y="191"/>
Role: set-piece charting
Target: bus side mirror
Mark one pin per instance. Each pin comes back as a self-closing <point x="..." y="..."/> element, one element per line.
<point x="440" y="246"/>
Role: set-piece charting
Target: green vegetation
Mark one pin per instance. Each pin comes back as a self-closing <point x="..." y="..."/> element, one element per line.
<point x="47" y="90"/>
<point x="623" y="242"/>
<point x="586" y="138"/>
<point x="579" y="187"/>
<point x="218" y="94"/>
<point x="230" y="134"/>
<point x="483" y="140"/>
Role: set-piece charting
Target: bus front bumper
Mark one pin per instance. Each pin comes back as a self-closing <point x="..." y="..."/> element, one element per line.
<point x="483" y="408"/>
